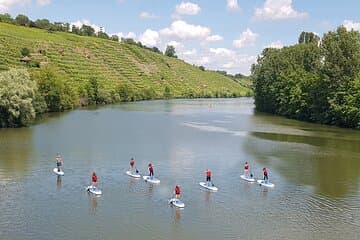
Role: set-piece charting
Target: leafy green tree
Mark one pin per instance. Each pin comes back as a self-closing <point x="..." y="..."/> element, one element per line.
<point x="308" y="37"/>
<point x="43" y="24"/>
<point x="202" y="68"/>
<point x="75" y="30"/>
<point x="114" y="38"/>
<point x="86" y="30"/>
<point x="17" y="93"/>
<point x="57" y="93"/>
<point x="170" y="51"/>
<point x="22" y="20"/>
<point x="6" y="18"/>
<point x="102" y="35"/>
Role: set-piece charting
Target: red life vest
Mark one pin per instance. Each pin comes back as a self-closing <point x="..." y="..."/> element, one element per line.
<point x="94" y="178"/>
<point x="177" y="190"/>
<point x="246" y="166"/>
<point x="208" y="173"/>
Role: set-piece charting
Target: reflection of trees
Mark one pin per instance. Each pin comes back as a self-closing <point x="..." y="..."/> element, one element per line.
<point x="15" y="150"/>
<point x="330" y="163"/>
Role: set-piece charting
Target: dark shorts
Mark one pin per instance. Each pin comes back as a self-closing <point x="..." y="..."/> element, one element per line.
<point x="58" y="164"/>
<point x="208" y="178"/>
<point x="151" y="173"/>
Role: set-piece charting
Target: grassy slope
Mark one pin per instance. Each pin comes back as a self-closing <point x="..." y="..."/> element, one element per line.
<point x="115" y="63"/>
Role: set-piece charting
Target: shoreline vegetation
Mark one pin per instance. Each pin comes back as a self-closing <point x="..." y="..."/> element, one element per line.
<point x="316" y="80"/>
<point x="50" y="70"/>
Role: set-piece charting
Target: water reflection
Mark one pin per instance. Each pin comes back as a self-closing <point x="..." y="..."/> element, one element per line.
<point x="327" y="163"/>
<point x="16" y="149"/>
<point x="58" y="182"/>
<point x="94" y="203"/>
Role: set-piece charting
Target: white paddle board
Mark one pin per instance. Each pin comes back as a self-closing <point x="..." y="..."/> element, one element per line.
<point x="133" y="174"/>
<point x="209" y="187"/>
<point x="265" y="183"/>
<point x="177" y="202"/>
<point x="93" y="190"/>
<point x="61" y="173"/>
<point x="247" y="178"/>
<point x="151" y="179"/>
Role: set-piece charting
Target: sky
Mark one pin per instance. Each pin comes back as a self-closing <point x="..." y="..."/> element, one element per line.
<point x="217" y="34"/>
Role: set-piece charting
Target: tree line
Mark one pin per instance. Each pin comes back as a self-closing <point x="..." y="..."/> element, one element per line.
<point x="316" y="80"/>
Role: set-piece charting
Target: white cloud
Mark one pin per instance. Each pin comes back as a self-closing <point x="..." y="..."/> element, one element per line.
<point x="43" y="2"/>
<point x="351" y="25"/>
<point x="150" y="38"/>
<point x="79" y="24"/>
<point x="276" y="44"/>
<point x="188" y="52"/>
<point x="187" y="8"/>
<point x="175" y="44"/>
<point x="182" y="30"/>
<point x="247" y="38"/>
<point x="224" y="52"/>
<point x="147" y="15"/>
<point x="278" y="9"/>
<point x="5" y="5"/>
<point x="125" y="35"/>
<point x="232" y="5"/>
<point x="214" y="38"/>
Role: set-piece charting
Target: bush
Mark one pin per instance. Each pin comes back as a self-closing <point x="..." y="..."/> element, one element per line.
<point x="17" y="93"/>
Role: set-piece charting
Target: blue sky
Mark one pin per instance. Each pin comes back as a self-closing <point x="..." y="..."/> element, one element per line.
<point x="218" y="34"/>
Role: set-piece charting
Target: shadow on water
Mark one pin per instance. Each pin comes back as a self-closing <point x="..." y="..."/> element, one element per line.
<point x="58" y="182"/>
<point x="327" y="160"/>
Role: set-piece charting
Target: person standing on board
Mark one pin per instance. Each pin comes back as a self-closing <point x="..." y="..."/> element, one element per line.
<point x="59" y="161"/>
<point x="208" y="176"/>
<point x="246" y="169"/>
<point x="151" y="170"/>
<point x="94" y="179"/>
<point x="132" y="163"/>
<point x="177" y="192"/>
<point x="266" y="178"/>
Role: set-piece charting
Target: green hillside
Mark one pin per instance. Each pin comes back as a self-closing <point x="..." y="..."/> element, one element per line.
<point x="114" y="65"/>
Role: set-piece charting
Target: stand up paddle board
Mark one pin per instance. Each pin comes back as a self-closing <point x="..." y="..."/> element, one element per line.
<point x="265" y="183"/>
<point x="93" y="190"/>
<point x="177" y="203"/>
<point x="151" y="179"/>
<point x="133" y="174"/>
<point x="247" y="178"/>
<point x="59" y="173"/>
<point x="208" y="187"/>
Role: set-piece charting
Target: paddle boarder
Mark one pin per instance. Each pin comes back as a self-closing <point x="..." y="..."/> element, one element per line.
<point x="132" y="163"/>
<point x="208" y="176"/>
<point x="59" y="161"/>
<point x="151" y="170"/>
<point x="266" y="178"/>
<point x="246" y="169"/>
<point x="94" y="179"/>
<point x="177" y="192"/>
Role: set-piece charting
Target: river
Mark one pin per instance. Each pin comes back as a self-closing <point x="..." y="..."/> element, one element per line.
<point x="315" y="170"/>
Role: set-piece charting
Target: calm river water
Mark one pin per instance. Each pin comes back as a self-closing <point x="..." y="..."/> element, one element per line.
<point x="316" y="171"/>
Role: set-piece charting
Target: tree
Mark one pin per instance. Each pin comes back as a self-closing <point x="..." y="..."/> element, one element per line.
<point x="17" y="92"/>
<point x="308" y="37"/>
<point x="86" y="30"/>
<point x="170" y="51"/>
<point x="114" y="38"/>
<point x="25" y="52"/>
<point x="75" y="30"/>
<point x="6" y="18"/>
<point x="43" y="23"/>
<point x="102" y="35"/>
<point x="22" y="20"/>
<point x="202" y="68"/>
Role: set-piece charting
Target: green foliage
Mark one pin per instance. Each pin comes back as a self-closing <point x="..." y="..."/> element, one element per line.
<point x="6" y="18"/>
<point x="25" y="52"/>
<point x="114" y="38"/>
<point x="22" y="20"/>
<point x="102" y="35"/>
<point x="308" y="37"/>
<point x="86" y="30"/>
<point x="311" y="82"/>
<point x="170" y="51"/>
<point x="167" y="92"/>
<point x="58" y="94"/>
<point x="202" y="68"/>
<point x="17" y="92"/>
<point x="43" y="24"/>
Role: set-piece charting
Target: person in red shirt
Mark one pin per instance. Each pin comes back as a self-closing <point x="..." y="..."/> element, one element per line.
<point x="177" y="192"/>
<point x="208" y="176"/>
<point x="246" y="169"/>
<point x="151" y="170"/>
<point x="132" y="163"/>
<point x="266" y="178"/>
<point x="94" y="179"/>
